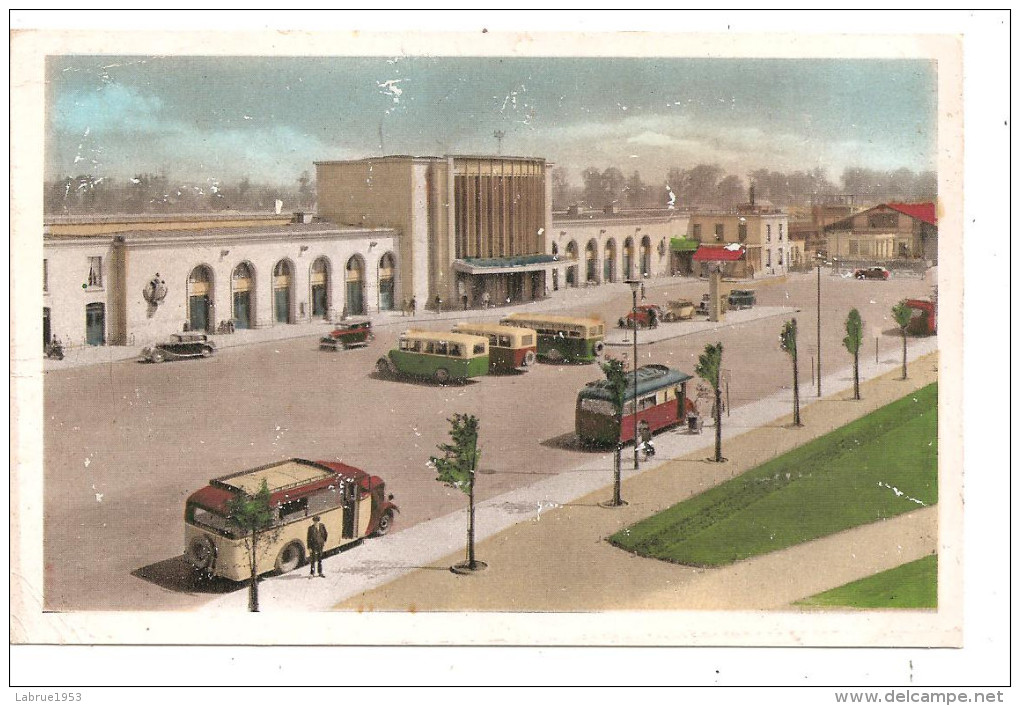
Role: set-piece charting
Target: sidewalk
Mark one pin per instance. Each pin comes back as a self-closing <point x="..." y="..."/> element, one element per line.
<point x="545" y="547"/>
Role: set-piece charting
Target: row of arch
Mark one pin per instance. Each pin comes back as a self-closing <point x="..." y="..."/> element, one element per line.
<point x="610" y="272"/>
<point x="244" y="288"/>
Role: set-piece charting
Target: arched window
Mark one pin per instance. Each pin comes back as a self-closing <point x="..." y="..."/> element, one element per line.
<point x="387" y="277"/>
<point x="200" y="299"/>
<point x="242" y="292"/>
<point x="319" y="281"/>
<point x="283" y="282"/>
<point x="355" y="285"/>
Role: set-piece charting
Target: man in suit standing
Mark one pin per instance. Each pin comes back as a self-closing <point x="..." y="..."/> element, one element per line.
<point x="317" y="535"/>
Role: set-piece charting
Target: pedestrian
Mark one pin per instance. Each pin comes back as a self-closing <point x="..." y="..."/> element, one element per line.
<point x="414" y="306"/>
<point x="404" y="306"/>
<point x="485" y="300"/>
<point x="464" y="301"/>
<point x="317" y="535"/>
<point x="645" y="436"/>
<point x="439" y="303"/>
<point x="653" y="318"/>
<point x="642" y="291"/>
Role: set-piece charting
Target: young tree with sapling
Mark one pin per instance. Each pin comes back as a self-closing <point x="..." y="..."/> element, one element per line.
<point x="253" y="515"/>
<point x="852" y="342"/>
<point x="709" y="368"/>
<point x="788" y="342"/>
<point x="617" y="377"/>
<point x="456" y="469"/>
<point x="901" y="314"/>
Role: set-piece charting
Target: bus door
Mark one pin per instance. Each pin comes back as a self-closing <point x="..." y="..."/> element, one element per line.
<point x="350" y="504"/>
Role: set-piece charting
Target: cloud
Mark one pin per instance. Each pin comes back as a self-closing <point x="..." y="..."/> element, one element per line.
<point x="111" y="107"/>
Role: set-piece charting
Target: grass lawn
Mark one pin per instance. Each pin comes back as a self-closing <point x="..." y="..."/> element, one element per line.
<point x="876" y="467"/>
<point x="913" y="585"/>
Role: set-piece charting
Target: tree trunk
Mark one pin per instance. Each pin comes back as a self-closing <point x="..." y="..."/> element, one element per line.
<point x="253" y="585"/>
<point x="471" y="524"/>
<point x="857" y="376"/>
<point x="904" y="331"/>
<point x="718" y="424"/>
<point x="796" y="394"/>
<point x="617" y="463"/>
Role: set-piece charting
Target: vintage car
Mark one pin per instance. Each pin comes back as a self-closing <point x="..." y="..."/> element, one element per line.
<point x="643" y="315"/>
<point x="741" y="299"/>
<point x="871" y="273"/>
<point x="349" y="334"/>
<point x="678" y="310"/>
<point x="180" y="345"/>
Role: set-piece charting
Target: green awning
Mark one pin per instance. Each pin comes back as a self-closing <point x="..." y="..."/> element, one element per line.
<point x="683" y="245"/>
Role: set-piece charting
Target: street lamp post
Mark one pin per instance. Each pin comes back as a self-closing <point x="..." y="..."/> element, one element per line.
<point x="634" y="286"/>
<point x="818" y="262"/>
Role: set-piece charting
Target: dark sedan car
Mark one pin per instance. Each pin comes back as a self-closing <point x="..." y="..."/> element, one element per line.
<point x="180" y="345"/>
<point x="349" y="334"/>
<point x="872" y="273"/>
<point x="741" y="299"/>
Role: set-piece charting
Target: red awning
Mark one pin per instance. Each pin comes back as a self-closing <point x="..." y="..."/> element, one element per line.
<point x="715" y="253"/>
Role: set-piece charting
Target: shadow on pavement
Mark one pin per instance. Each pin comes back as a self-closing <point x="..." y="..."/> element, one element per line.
<point x="178" y="576"/>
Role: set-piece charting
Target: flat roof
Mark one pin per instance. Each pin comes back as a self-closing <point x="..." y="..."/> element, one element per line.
<point x="279" y="476"/>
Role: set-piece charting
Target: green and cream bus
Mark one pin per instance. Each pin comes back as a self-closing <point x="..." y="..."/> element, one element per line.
<point x="563" y="338"/>
<point x="440" y="355"/>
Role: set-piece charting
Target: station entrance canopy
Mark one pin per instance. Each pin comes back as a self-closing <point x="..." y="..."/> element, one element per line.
<point x="501" y="265"/>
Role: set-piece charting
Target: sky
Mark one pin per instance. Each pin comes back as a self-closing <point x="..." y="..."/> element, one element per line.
<point x="270" y="118"/>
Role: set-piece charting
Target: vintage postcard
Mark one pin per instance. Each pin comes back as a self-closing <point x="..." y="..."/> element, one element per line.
<point x="487" y="338"/>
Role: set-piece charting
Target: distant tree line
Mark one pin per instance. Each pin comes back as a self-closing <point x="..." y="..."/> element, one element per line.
<point x="158" y="193"/>
<point x="708" y="186"/>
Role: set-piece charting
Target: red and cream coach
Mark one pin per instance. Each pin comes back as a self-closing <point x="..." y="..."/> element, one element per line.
<point x="351" y="503"/>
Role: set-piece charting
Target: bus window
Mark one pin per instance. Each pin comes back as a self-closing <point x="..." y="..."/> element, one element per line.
<point x="479" y="349"/>
<point x="646" y="402"/>
<point x="441" y="348"/>
<point x="504" y="341"/>
<point x="527" y="340"/>
<point x="293" y="508"/>
<point x="493" y="339"/>
<point x="430" y="347"/>
<point x="455" y="350"/>
<point x="323" y="500"/>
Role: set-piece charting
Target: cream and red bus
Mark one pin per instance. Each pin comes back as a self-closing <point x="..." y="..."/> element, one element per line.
<point x="351" y="503"/>
<point x="511" y="348"/>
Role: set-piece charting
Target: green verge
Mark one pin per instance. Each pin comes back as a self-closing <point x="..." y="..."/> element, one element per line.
<point x="879" y="466"/>
<point x="912" y="585"/>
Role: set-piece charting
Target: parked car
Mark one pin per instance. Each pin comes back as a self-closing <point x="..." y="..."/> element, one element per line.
<point x="180" y="345"/>
<point x="644" y="316"/>
<point x="741" y="299"/>
<point x="678" y="310"/>
<point x="350" y="334"/>
<point x="872" y="273"/>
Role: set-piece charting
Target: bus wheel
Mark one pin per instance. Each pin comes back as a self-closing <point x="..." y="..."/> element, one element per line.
<point x="554" y="355"/>
<point x="202" y="554"/>
<point x="385" y="523"/>
<point x="529" y="358"/>
<point x="290" y="558"/>
<point x="157" y="356"/>
<point x="442" y="376"/>
<point x="599" y="348"/>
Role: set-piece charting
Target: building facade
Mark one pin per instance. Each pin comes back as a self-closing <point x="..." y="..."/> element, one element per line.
<point x="136" y="286"/>
<point x="474" y="226"/>
<point x="762" y="233"/>
<point x="892" y="231"/>
<point x="602" y="248"/>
